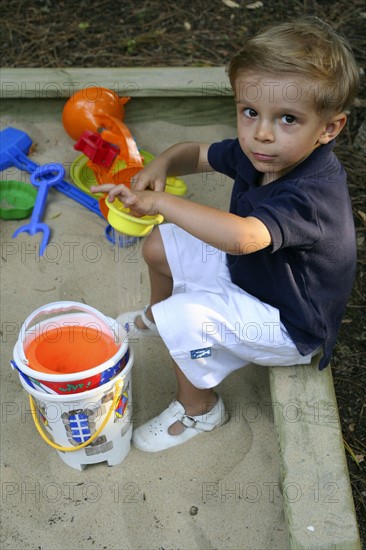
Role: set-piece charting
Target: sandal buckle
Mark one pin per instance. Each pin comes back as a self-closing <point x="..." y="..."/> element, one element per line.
<point x="188" y="421"/>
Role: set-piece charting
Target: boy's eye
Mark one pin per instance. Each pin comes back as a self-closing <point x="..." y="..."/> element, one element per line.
<point x="251" y="113"/>
<point x="288" y="119"/>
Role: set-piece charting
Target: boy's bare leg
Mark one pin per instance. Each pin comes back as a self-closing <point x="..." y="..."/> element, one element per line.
<point x="161" y="282"/>
<point x="195" y="401"/>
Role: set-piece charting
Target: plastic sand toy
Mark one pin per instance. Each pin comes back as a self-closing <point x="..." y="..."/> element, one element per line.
<point x="81" y="109"/>
<point x="79" y="362"/>
<point x="84" y="178"/>
<point x="14" y="147"/>
<point x="98" y="150"/>
<point x="16" y="200"/>
<point x="121" y="220"/>
<point x="44" y="177"/>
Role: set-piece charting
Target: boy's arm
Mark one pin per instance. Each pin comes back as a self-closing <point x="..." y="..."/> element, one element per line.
<point x="228" y="232"/>
<point x="180" y="159"/>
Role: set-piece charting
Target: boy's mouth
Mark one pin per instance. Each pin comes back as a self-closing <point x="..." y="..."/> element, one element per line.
<point x="263" y="157"/>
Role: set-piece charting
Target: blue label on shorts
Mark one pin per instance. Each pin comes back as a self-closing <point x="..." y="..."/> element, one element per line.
<point x="200" y="353"/>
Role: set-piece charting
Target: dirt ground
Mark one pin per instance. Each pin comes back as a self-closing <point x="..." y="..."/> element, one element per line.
<point x="207" y="33"/>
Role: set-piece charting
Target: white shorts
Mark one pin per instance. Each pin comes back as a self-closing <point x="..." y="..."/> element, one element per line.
<point x="210" y="325"/>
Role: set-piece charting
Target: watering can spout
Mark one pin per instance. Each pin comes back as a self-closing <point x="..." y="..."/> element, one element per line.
<point x="124" y="100"/>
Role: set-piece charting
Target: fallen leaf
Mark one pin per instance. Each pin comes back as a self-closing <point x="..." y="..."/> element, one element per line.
<point x="230" y="4"/>
<point x="83" y="26"/>
<point x="360" y="458"/>
<point x="254" y="6"/>
<point x="362" y="215"/>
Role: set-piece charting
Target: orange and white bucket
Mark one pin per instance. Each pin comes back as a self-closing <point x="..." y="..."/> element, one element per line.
<point x="75" y="364"/>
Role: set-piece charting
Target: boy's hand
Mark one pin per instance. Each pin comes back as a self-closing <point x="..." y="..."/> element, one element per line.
<point x="140" y="203"/>
<point x="152" y="177"/>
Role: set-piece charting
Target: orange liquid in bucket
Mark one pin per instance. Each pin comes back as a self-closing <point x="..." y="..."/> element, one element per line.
<point x="70" y="349"/>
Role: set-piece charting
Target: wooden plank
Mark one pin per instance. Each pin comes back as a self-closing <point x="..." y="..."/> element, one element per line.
<point x="316" y="488"/>
<point x="134" y="82"/>
<point x="197" y="111"/>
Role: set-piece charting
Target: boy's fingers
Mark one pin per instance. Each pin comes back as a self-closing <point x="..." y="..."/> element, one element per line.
<point x="143" y="183"/>
<point x="112" y="190"/>
<point x="136" y="183"/>
<point x="159" y="185"/>
<point x="105" y="188"/>
<point x="140" y="184"/>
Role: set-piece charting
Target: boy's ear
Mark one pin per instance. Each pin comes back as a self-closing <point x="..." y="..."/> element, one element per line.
<point x="332" y="128"/>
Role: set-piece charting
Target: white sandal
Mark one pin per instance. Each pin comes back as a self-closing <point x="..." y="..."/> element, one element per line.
<point x="153" y="436"/>
<point x="127" y="320"/>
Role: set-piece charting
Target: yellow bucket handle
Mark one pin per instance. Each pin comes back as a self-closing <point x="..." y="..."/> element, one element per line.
<point x="119" y="388"/>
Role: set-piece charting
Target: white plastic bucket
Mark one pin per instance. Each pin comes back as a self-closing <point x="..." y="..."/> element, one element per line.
<point x="69" y="421"/>
<point x="84" y="425"/>
<point x="69" y="317"/>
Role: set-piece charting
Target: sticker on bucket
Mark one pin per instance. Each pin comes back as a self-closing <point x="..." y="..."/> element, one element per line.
<point x="78" y="386"/>
<point x="80" y="423"/>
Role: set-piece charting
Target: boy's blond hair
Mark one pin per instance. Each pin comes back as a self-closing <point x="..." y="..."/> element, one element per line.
<point x="307" y="47"/>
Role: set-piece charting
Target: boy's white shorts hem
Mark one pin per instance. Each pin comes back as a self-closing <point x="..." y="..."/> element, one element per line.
<point x="211" y="326"/>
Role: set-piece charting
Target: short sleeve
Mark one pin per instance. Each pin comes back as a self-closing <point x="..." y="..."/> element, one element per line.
<point x="291" y="218"/>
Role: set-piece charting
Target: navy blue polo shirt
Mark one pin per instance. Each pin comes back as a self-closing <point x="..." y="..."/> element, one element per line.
<point x="307" y="272"/>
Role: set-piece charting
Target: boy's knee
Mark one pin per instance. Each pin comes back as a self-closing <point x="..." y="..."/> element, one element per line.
<point x="153" y="248"/>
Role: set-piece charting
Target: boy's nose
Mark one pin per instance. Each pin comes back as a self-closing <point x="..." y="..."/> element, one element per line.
<point x="264" y="132"/>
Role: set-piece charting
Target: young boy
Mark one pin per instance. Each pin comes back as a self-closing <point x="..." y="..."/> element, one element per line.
<point x="268" y="281"/>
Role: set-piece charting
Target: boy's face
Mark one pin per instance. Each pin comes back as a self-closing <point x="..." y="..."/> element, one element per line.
<point x="278" y="126"/>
